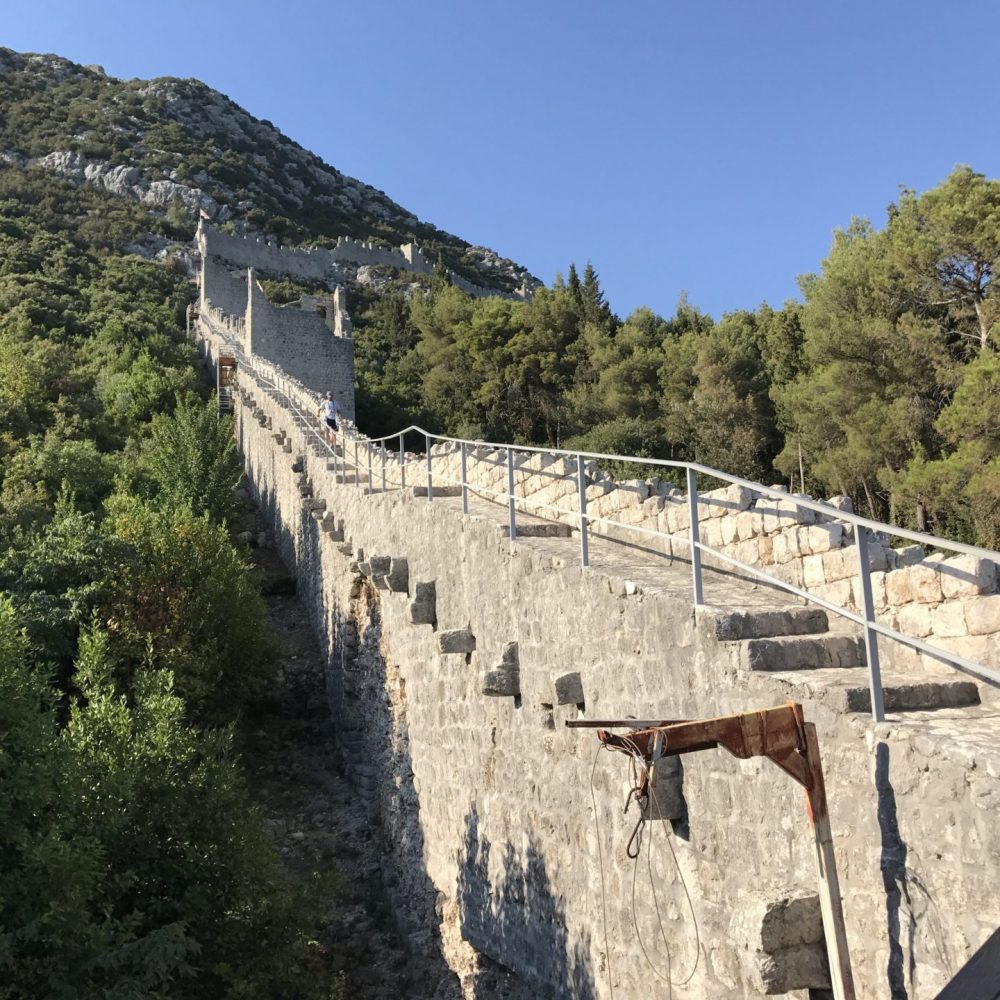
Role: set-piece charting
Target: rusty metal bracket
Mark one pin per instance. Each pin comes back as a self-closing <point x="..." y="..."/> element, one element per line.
<point x="783" y="736"/>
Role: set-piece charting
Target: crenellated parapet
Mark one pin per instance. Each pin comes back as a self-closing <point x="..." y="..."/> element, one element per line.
<point x="310" y="340"/>
<point x="320" y="264"/>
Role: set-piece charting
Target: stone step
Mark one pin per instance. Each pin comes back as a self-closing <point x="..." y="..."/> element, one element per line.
<point x="910" y="695"/>
<point x="804" y="652"/>
<point x="731" y="624"/>
<point x="437" y="491"/>
<point x="538" y="529"/>
<point x="847" y="691"/>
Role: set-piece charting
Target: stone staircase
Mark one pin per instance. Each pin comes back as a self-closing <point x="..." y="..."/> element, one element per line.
<point x="795" y="646"/>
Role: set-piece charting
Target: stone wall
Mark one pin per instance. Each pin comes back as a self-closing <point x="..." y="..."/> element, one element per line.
<point x="303" y="345"/>
<point x="950" y="601"/>
<point x="453" y="664"/>
<point x="320" y="263"/>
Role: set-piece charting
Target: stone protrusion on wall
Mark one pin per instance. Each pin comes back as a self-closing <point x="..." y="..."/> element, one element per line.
<point x="378" y="570"/>
<point x="504" y="680"/>
<point x="299" y="464"/>
<point x="779" y="940"/>
<point x="423" y="607"/>
<point x="569" y="689"/>
<point x="666" y="790"/>
<point x="398" y="577"/>
<point x="458" y="640"/>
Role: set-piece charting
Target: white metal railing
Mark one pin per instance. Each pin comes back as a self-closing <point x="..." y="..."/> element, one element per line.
<point x="304" y="403"/>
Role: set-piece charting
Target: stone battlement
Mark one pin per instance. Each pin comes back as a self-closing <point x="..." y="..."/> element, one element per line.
<point x="319" y="263"/>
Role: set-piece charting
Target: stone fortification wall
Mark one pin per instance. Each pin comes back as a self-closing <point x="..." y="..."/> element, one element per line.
<point x="301" y="342"/>
<point x="951" y="601"/>
<point x="222" y="290"/>
<point x="453" y="664"/>
<point x="320" y="263"/>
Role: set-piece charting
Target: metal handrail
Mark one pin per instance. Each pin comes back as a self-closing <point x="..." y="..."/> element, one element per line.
<point x="863" y="526"/>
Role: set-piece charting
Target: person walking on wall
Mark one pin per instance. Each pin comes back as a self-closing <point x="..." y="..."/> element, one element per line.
<point x="329" y="411"/>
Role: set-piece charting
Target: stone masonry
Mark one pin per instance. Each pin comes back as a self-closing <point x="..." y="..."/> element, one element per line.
<point x="450" y="683"/>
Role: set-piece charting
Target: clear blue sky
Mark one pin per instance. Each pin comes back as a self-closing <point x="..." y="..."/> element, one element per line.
<point x="705" y="146"/>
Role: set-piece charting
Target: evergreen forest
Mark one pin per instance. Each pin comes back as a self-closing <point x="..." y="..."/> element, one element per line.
<point x="882" y="383"/>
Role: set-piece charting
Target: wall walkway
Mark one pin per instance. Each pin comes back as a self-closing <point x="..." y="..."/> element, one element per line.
<point x="454" y="659"/>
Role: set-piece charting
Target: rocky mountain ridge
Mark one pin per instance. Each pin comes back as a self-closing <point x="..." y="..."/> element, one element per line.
<point x="180" y="148"/>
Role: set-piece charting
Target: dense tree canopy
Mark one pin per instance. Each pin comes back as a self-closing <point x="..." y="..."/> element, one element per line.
<point x="880" y="384"/>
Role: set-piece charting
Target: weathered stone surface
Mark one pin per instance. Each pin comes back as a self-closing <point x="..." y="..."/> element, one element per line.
<point x="569" y="689"/>
<point x="983" y="615"/>
<point x="779" y="934"/>
<point x="501" y="683"/>
<point x="398" y="577"/>
<point x="948" y="619"/>
<point x="459" y="640"/>
<point x="966" y="576"/>
<point x="733" y="625"/>
<point x="423" y="607"/>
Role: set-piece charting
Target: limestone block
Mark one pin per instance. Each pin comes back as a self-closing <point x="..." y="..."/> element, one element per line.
<point x="909" y="555"/>
<point x="378" y="569"/>
<point x="652" y="506"/>
<point x="915" y="620"/>
<point x="878" y="592"/>
<point x="838" y="593"/>
<point x="925" y="581"/>
<point x="823" y="537"/>
<point x="730" y="532"/>
<point x="839" y="564"/>
<point x="748" y="552"/>
<point x="569" y="689"/>
<point x="846" y="504"/>
<point x="813" y="574"/>
<point x="666" y="792"/>
<point x="948" y="619"/>
<point x="898" y="587"/>
<point x="398" y="577"/>
<point x="501" y="683"/>
<point x="711" y="533"/>
<point x="781" y="548"/>
<point x="459" y="640"/>
<point x="765" y="547"/>
<point x="423" y="607"/>
<point x="677" y="518"/>
<point x="779" y="939"/>
<point x="744" y="525"/>
<point x="966" y="576"/>
<point x="978" y="648"/>
<point x="982" y="615"/>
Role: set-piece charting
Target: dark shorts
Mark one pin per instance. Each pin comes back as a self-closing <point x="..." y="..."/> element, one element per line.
<point x="331" y="423"/>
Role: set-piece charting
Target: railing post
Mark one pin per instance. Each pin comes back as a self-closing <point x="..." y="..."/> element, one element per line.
<point x="692" y="484"/>
<point x="871" y="636"/>
<point x="381" y="449"/>
<point x="402" y="464"/>
<point x="430" y="490"/>
<point x="371" y="486"/>
<point x="357" y="477"/>
<point x="465" y="479"/>
<point x="581" y="485"/>
<point x="510" y="493"/>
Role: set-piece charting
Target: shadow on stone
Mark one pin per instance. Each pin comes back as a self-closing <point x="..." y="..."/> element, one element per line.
<point x="894" y="881"/>
<point x="510" y="914"/>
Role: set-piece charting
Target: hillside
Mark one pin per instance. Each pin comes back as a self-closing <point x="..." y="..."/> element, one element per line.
<point x="177" y="147"/>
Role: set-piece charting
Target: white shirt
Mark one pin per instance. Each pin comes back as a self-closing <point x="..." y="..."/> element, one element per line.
<point x="329" y="409"/>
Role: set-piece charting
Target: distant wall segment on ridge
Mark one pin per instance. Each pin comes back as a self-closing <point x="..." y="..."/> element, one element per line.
<point x="320" y="263"/>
